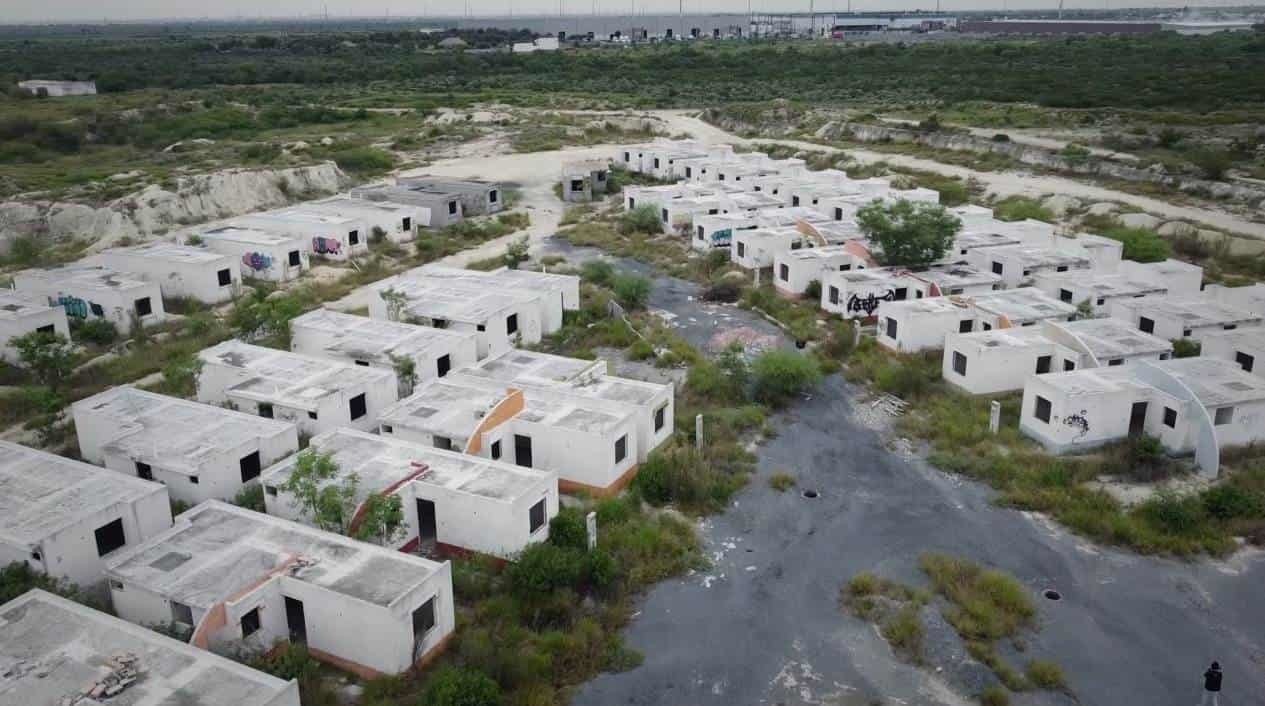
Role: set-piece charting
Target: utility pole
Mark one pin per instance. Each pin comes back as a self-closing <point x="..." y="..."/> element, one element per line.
<point x="680" y="9"/>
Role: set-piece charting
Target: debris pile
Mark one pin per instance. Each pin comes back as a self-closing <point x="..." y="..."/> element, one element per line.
<point x="124" y="672"/>
<point x="752" y="341"/>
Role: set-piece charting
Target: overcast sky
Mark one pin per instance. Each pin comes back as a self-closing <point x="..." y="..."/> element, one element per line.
<point x="117" y="10"/>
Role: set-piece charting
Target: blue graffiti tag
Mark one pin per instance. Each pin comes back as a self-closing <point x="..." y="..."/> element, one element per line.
<point x="326" y="246"/>
<point x="257" y="261"/>
<point x="722" y="238"/>
<point x="74" y="306"/>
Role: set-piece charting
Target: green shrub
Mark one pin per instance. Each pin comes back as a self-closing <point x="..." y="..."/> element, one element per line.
<point x="99" y="331"/>
<point x="813" y="291"/>
<point x="567" y="529"/>
<point x="1230" y="502"/>
<point x="779" y="375"/>
<point x="1173" y="513"/>
<point x="1046" y="675"/>
<point x="543" y="568"/>
<point x="632" y="291"/>
<point x="1186" y="348"/>
<point x="1212" y="163"/>
<point x="362" y="160"/>
<point x="251" y="497"/>
<point x="987" y="604"/>
<point x="641" y="349"/>
<point x="727" y="291"/>
<point x="643" y="219"/>
<point x="1018" y="208"/>
<point x="455" y="686"/>
<point x="681" y="475"/>
<point x="994" y="696"/>
<point x="599" y="272"/>
<point x="1140" y="244"/>
<point x="18" y="578"/>
<point x="781" y="482"/>
<point x="904" y="632"/>
<point x="290" y="661"/>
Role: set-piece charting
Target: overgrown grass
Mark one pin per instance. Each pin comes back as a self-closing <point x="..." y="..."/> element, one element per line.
<point x="1018" y="208"/>
<point x="894" y="607"/>
<point x="781" y="482"/>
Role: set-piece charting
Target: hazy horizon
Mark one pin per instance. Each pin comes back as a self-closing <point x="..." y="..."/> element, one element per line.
<point x="93" y="11"/>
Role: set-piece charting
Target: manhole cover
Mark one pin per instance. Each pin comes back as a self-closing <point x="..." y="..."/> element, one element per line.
<point x="810" y="494"/>
<point x="1052" y="594"/>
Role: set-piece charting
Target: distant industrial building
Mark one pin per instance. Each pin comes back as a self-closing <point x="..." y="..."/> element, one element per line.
<point x="1059" y="27"/>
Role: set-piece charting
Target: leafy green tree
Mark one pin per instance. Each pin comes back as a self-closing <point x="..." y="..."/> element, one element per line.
<point x="1212" y="163"/>
<point x="49" y="357"/>
<point x="333" y="506"/>
<point x="779" y="375"/>
<point x="908" y="234"/>
<point x="457" y="686"/>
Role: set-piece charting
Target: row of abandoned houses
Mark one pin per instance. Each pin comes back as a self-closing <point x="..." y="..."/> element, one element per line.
<point x="1088" y="336"/>
<point x="428" y="399"/>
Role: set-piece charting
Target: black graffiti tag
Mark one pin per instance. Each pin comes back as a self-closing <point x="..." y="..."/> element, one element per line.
<point x="1079" y="422"/>
<point x="869" y="303"/>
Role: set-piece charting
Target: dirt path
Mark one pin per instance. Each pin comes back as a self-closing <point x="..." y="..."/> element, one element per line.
<point x="1020" y="137"/>
<point x="1000" y="183"/>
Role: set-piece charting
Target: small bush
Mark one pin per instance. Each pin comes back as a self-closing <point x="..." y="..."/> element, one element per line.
<point x="994" y="696"/>
<point x="599" y="272"/>
<point x="1018" y="208"/>
<point x="987" y="605"/>
<point x="1230" y="502"/>
<point x="251" y="497"/>
<point x="1046" y="675"/>
<point x="1212" y="163"/>
<point x="1140" y="244"/>
<point x="1001" y="137"/>
<point x="99" y="331"/>
<point x="641" y="349"/>
<point x="643" y="219"/>
<point x="455" y="686"/>
<point x="1186" y="348"/>
<point x="681" y="475"/>
<point x="725" y="290"/>
<point x="632" y="291"/>
<point x="362" y="160"/>
<point x="904" y="632"/>
<point x="813" y="291"/>
<point x="781" y="482"/>
<point x="567" y="529"/>
<point x="779" y="375"/>
<point x="542" y="569"/>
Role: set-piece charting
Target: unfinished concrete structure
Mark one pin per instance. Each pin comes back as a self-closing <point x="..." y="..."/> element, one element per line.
<point x="58" y="89"/>
<point x="1192" y="405"/>
<point x="314" y="394"/>
<point x="1182" y="317"/>
<point x="56" y="651"/>
<point x="478" y="197"/>
<point x="452" y="502"/>
<point x="1096" y="292"/>
<point x="989" y="362"/>
<point x="923" y="323"/>
<point x="63" y="517"/>
<point x="395" y="222"/>
<point x="583" y="181"/>
<point x="1017" y="265"/>
<point x="437" y="208"/>
<point x="334" y="237"/>
<point x="22" y="314"/>
<point x="382" y="344"/>
<point x="180" y="271"/>
<point x="198" y="451"/>
<point x="88" y="291"/>
<point x="794" y="270"/>
<point x="261" y="254"/>
<point x="247" y="580"/>
<point x="1243" y="347"/>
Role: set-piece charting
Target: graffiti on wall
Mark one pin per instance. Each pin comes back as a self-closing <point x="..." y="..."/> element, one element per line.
<point x="257" y="261"/>
<point x="1078" y="421"/>
<point x="869" y="303"/>
<point x="722" y="238"/>
<point x="74" y="306"/>
<point x="326" y="246"/>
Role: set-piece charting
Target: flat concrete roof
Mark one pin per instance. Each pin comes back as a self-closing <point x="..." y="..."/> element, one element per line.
<point x="1113" y="338"/>
<point x="822" y="253"/>
<point x="1216" y="382"/>
<point x="41" y="493"/>
<point x="300" y="214"/>
<point x="17" y="305"/>
<point x="953" y="305"/>
<point x="1014" y="337"/>
<point x="1036" y="256"/>
<point x="504" y="278"/>
<point x="53" y="650"/>
<point x="1023" y="304"/>
<point x="365" y="338"/>
<point x="384" y="191"/>
<point x="1192" y="311"/>
<point x="947" y="277"/>
<point x="172" y="433"/>
<point x="970" y="239"/>
<point x="83" y="277"/>
<point x="383" y="462"/>
<point x="248" y="236"/>
<point x="346" y="204"/>
<point x="289" y="379"/>
<point x="1104" y="285"/>
<point x="170" y="252"/>
<point x="526" y="366"/>
<point x="450" y="299"/>
<point x="1244" y="338"/>
<point x="217" y="550"/>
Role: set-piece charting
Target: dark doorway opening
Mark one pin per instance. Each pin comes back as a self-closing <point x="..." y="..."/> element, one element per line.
<point x="295" y="620"/>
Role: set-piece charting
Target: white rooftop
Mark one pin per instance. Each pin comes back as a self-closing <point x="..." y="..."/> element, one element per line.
<point x="248" y="236"/>
<point x="449" y="299"/>
<point x="289" y="379"/>
<point x="1036" y="256"/>
<point x="364" y="338"/>
<point x="1193" y="311"/>
<point x="947" y="277"/>
<point x="170" y="252"/>
<point x="1104" y="284"/>
<point x="84" y="277"/>
<point x="301" y="214"/>
<point x="1023" y="304"/>
<point x="1113" y="338"/>
<point x="172" y="433"/>
<point x="15" y="305"/>
<point x="582" y="378"/>
<point x="216" y="551"/>
<point x="41" y="493"/>
<point x="382" y="462"/>
<point x="1248" y="338"/>
<point x="53" y="650"/>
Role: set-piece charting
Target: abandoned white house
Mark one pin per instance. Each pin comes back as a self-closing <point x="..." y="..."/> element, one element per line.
<point x="1017" y="265"/>
<point x="1243" y="347"/>
<point x="382" y="344"/>
<point x="261" y="254"/>
<point x="64" y="517"/>
<point x="58" y="89"/>
<point x="1101" y="290"/>
<point x="198" y="451"/>
<point x="56" y="651"/>
<point x="396" y="222"/>
<point x="1199" y="405"/>
<point x="452" y="502"/>
<point x="22" y="314"/>
<point x="243" y="578"/>
<point x="314" y="394"/>
<point x="793" y="270"/>
<point x="179" y="270"/>
<point x="989" y="362"/>
<point x="1182" y="317"/>
<point x="95" y="292"/>
<point x="922" y="324"/>
<point x="478" y="197"/>
<point x="586" y="444"/>
<point x="326" y="235"/>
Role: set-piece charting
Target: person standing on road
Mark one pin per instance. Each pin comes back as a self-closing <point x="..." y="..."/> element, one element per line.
<point x="1212" y="685"/>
